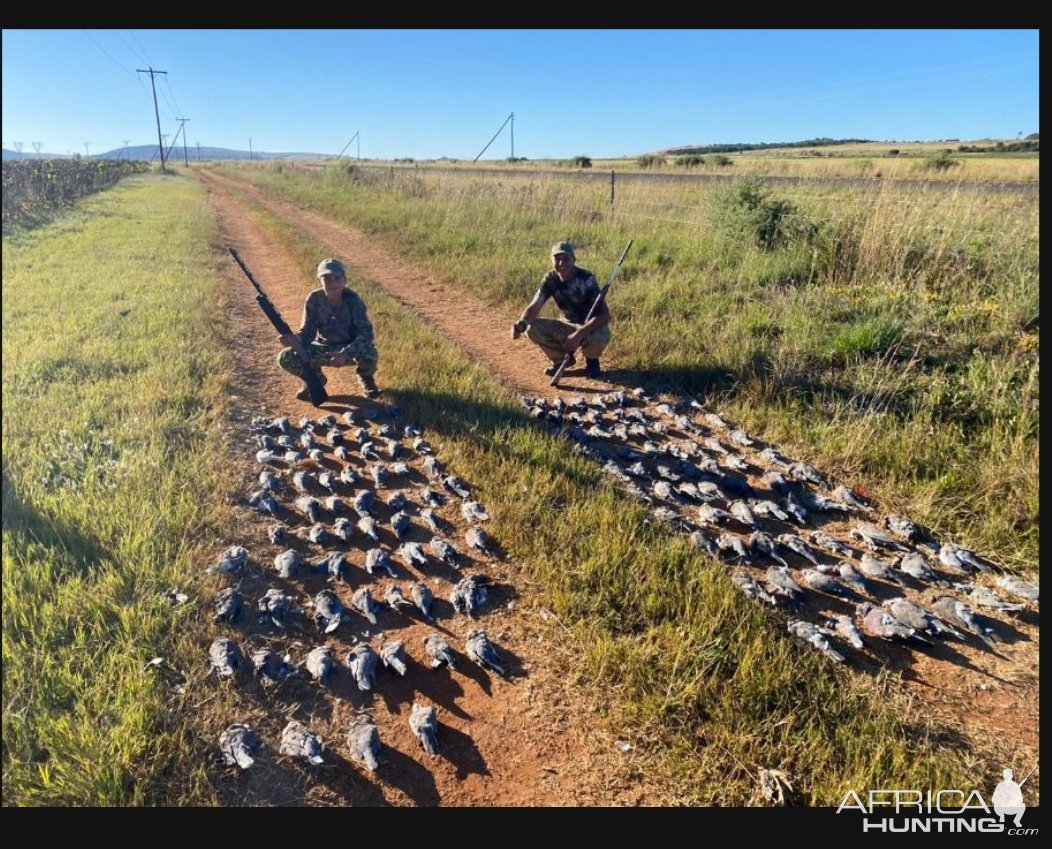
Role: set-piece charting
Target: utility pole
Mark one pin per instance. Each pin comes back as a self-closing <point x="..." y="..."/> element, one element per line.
<point x="157" y="114"/>
<point x="126" y="154"/>
<point x="359" y="146"/>
<point x="182" y="126"/>
<point x="250" y="148"/>
<point x="338" y="155"/>
<point x="509" y="118"/>
<point x="512" y="136"/>
<point x="37" y="146"/>
<point x="199" y="151"/>
<point x="87" y="155"/>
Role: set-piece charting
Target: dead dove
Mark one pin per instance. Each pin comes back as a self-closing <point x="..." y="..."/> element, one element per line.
<point x="986" y="597"/>
<point x="427" y="515"/>
<point x="328" y="611"/>
<point x="380" y="475"/>
<point x="853" y="578"/>
<point x="276" y="605"/>
<point x="457" y="485"/>
<point x="902" y="527"/>
<point x="829" y="543"/>
<point x="278" y="534"/>
<point x="228" y="604"/>
<point x="367" y="525"/>
<point x="224" y="657"/>
<point x="422" y="597"/>
<point x="423" y="720"/>
<point x="288" y="563"/>
<point x="914" y="564"/>
<point x="798" y="546"/>
<point x="762" y="543"/>
<point x="803" y="472"/>
<point x="309" y="506"/>
<point x="392" y="653"/>
<point x="302" y="481"/>
<point x="363" y="503"/>
<point x="270" y="665"/>
<point x="327" y="480"/>
<point x="780" y="583"/>
<point x="362" y="660"/>
<point x="401" y="524"/>
<point x="961" y="615"/>
<point x="703" y="541"/>
<point x="365" y="604"/>
<point x="847" y="496"/>
<point x="319" y="534"/>
<point x="1019" y="587"/>
<point x="812" y="635"/>
<point x="733" y="543"/>
<point x="378" y="560"/>
<point x="431" y="498"/>
<point x="709" y="514"/>
<point x="237" y="744"/>
<point x="961" y="559"/>
<point x="439" y="651"/>
<point x="795" y="510"/>
<point x="445" y="552"/>
<point x="320" y="663"/>
<point x="298" y="741"/>
<point x="878" y="569"/>
<point x="363" y="742"/>
<point x="397" y="501"/>
<point x="473" y="511"/>
<point x="766" y="507"/>
<point x="919" y="619"/>
<point x="335" y="505"/>
<point x="751" y="588"/>
<point x="395" y="599"/>
<point x="878" y="622"/>
<point x="478" y="540"/>
<point x="343" y="529"/>
<point x="468" y="594"/>
<point x="483" y="652"/>
<point x="743" y="513"/>
<point x="823" y="583"/>
<point x="348" y="476"/>
<point x="433" y="468"/>
<point x="775" y="787"/>
<point x="412" y="554"/>
<point x="843" y="626"/>
<point x="232" y="560"/>
<point x="875" y="539"/>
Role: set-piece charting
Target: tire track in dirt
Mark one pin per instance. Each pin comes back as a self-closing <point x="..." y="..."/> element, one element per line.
<point x="992" y="703"/>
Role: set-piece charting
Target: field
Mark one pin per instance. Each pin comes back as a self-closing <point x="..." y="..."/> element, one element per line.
<point x="885" y="336"/>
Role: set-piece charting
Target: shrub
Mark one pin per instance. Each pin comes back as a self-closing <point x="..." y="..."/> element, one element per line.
<point x="581" y="162"/>
<point x="722" y="161"/>
<point x="772" y="223"/>
<point x="692" y="161"/>
<point x="650" y="160"/>
<point x="942" y="161"/>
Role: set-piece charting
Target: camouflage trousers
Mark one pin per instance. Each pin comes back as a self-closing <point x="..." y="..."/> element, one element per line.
<point x="363" y="355"/>
<point x="549" y="334"/>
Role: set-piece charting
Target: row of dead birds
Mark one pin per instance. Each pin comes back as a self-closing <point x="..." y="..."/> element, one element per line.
<point x="239" y="742"/>
<point x="684" y="468"/>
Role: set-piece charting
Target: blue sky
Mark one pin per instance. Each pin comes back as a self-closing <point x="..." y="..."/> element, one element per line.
<point x="429" y="93"/>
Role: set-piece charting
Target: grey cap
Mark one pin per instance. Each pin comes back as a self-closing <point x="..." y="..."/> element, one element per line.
<point x="562" y="248"/>
<point x="330" y="266"/>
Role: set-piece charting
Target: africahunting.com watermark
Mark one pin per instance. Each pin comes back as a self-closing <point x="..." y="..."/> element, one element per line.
<point x="953" y="811"/>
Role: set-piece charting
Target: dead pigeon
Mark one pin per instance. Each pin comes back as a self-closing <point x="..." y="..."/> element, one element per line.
<point x="875" y="539"/>
<point x="348" y="476"/>
<point x="812" y="635"/>
<point x="743" y="513"/>
<point x="237" y="744"/>
<point x="824" y="583"/>
<point x="457" y="485"/>
<point x="412" y="554"/>
<point x="878" y="569"/>
<point x="328" y="611"/>
<point x="766" y="507"/>
<point x="362" y="660"/>
<point x="363" y="742"/>
<point x="847" y="496"/>
<point x="902" y="527"/>
<point x="378" y="560"/>
<point x="335" y="505"/>
<point x="365" y="604"/>
<point x="762" y="543"/>
<point x="829" y="543"/>
<point x="288" y="563"/>
<point x="392" y="653"/>
<point x="298" y="741"/>
<point x="276" y="605"/>
<point x="709" y="514"/>
<point x="427" y="515"/>
<point x="224" y="656"/>
<point x="961" y="615"/>
<point x="919" y="619"/>
<point x="422" y="597"/>
<point x="468" y="594"/>
<point x="367" y="525"/>
<point x="802" y="472"/>
<point x="751" y="588"/>
<point x="798" y="546"/>
<point x="986" y="597"/>
<point x="961" y="559"/>
<point x="320" y="663"/>
<point x="302" y="481"/>
<point x="264" y="502"/>
<point x="483" y="652"/>
<point x="843" y="626"/>
<point x="780" y="583"/>
<point x="775" y="787"/>
<point x="228" y="604"/>
<point x="232" y="560"/>
<point x="733" y="543"/>
<point x="278" y="534"/>
<point x="439" y="651"/>
<point x="1019" y="587"/>
<point x="397" y="501"/>
<point x="478" y="540"/>
<point x="309" y="506"/>
<point x="473" y="511"/>
<point x="395" y="599"/>
<point x="270" y="665"/>
<point x="433" y="468"/>
<point x="423" y="720"/>
<point x="445" y="552"/>
<point x="853" y="578"/>
<point x="343" y="529"/>
<point x="878" y="622"/>
<point x="401" y="524"/>
<point x="363" y="503"/>
<point x="319" y="534"/>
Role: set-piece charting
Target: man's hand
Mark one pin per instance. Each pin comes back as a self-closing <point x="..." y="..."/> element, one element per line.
<point x="288" y="340"/>
<point x="572" y="342"/>
<point x="339" y="359"/>
<point x="518" y="328"/>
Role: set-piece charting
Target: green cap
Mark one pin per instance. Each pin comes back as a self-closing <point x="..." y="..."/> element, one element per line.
<point x="562" y="248"/>
<point x="330" y="266"/>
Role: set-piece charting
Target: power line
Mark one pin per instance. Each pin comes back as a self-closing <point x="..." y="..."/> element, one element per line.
<point x="160" y="141"/>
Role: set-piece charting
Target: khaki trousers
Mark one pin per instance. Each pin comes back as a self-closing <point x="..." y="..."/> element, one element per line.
<point x="549" y="334"/>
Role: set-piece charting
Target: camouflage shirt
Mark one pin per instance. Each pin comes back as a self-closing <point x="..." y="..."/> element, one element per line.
<point x="324" y="324"/>
<point x="575" y="298"/>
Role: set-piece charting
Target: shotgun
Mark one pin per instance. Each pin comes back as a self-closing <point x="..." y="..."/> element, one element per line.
<point x="318" y="395"/>
<point x="591" y="312"/>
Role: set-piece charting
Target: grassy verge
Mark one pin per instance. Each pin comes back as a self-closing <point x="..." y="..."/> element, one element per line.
<point x="112" y="482"/>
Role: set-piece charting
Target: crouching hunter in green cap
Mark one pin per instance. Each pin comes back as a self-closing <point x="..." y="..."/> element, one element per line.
<point x="335" y="330"/>
<point x="574" y="291"/>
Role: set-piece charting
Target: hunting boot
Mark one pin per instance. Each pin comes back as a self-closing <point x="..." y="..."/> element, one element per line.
<point x="591" y="368"/>
<point x="304" y="393"/>
<point x="554" y="367"/>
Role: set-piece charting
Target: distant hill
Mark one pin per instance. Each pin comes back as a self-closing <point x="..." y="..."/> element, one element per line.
<point x="148" y="153"/>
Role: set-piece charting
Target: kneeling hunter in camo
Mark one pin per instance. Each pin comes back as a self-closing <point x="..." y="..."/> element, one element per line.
<point x="335" y="331"/>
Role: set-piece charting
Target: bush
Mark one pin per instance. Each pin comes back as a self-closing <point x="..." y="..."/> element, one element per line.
<point x="722" y="161"/>
<point x="581" y="162"/>
<point x="692" y="161"/>
<point x="772" y="223"/>
<point x="942" y="161"/>
<point x="650" y="160"/>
